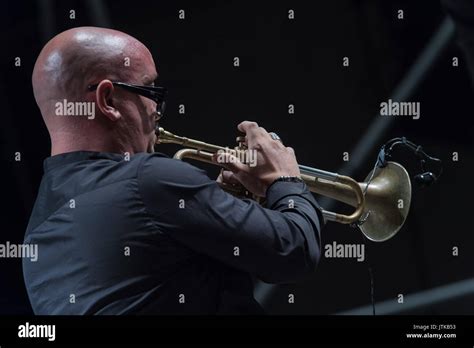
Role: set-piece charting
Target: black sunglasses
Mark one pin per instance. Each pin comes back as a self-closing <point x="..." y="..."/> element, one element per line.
<point x="155" y="93"/>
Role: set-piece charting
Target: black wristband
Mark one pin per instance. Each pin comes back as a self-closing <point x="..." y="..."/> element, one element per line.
<point x="286" y="178"/>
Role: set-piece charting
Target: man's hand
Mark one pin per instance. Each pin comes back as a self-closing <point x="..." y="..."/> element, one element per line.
<point x="273" y="160"/>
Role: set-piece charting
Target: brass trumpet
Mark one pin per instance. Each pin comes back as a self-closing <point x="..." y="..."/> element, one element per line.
<point x="381" y="202"/>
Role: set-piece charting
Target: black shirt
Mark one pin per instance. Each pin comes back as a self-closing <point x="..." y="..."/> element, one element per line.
<point x="154" y="235"/>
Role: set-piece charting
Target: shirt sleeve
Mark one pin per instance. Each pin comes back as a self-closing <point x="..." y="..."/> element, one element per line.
<point x="278" y="243"/>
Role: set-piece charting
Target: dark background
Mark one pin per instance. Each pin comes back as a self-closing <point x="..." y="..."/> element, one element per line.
<point x="281" y="62"/>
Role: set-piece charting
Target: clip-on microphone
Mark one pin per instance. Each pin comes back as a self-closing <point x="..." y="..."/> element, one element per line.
<point x="426" y="177"/>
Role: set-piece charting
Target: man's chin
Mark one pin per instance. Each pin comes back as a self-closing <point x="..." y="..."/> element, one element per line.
<point x="151" y="148"/>
<point x="151" y="144"/>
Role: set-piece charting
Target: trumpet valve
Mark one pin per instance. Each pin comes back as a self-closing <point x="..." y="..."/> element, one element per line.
<point x="241" y="143"/>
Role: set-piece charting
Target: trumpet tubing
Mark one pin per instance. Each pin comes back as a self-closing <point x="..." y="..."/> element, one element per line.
<point x="383" y="204"/>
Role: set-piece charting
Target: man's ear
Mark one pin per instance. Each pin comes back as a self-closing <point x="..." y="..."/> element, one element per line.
<point x="104" y="93"/>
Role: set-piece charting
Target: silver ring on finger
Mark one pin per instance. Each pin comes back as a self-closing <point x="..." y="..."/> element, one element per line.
<point x="275" y="136"/>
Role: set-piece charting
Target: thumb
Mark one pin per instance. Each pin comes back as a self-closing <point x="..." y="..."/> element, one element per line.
<point x="230" y="177"/>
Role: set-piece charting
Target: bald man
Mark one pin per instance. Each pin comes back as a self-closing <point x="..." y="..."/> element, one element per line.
<point x="121" y="229"/>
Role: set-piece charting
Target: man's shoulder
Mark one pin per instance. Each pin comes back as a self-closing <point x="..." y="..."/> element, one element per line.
<point x="162" y="180"/>
<point x="159" y="167"/>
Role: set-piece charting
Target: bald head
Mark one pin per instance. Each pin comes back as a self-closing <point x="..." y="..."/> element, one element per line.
<point x="78" y="57"/>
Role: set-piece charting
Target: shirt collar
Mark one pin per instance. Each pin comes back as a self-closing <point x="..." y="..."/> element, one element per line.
<point x="76" y="156"/>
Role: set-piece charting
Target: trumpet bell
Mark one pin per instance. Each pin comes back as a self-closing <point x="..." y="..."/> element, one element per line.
<point x="387" y="202"/>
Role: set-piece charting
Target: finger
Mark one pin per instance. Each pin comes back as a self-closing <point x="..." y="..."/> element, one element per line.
<point x="277" y="144"/>
<point x="246" y="126"/>
<point x="254" y="134"/>
<point x="249" y="128"/>
<point x="229" y="162"/>
<point x="264" y="133"/>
